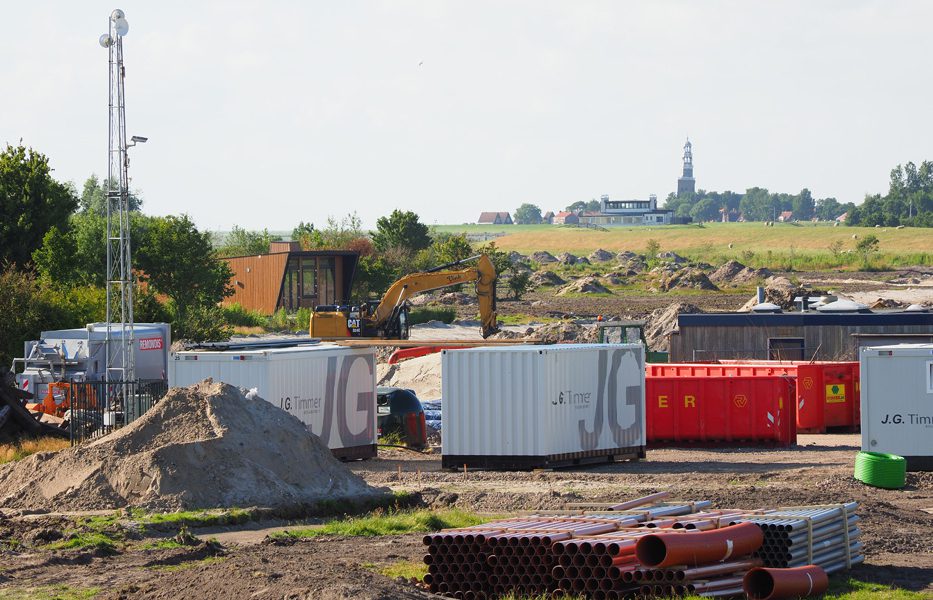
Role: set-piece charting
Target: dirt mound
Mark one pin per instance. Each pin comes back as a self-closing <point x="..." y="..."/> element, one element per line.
<point x="735" y="273"/>
<point x="600" y="255"/>
<point x="682" y="279"/>
<point x="782" y="291"/>
<point x="201" y="446"/>
<point x="882" y="303"/>
<point x="540" y="278"/>
<point x="613" y="278"/>
<point x="421" y="375"/>
<point x="543" y="257"/>
<point x="584" y="285"/>
<point x="672" y="257"/>
<point x="515" y="257"/>
<point x="566" y="258"/>
<point x="456" y="299"/>
<point x="662" y="322"/>
<point x="631" y="263"/>
<point x="566" y="333"/>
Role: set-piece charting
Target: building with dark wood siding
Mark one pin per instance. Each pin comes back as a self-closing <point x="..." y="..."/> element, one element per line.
<point x="788" y="336"/>
<point x="291" y="278"/>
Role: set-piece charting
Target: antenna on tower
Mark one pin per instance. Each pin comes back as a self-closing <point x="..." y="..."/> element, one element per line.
<point x="120" y="344"/>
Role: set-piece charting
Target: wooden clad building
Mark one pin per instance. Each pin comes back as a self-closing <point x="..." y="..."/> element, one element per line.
<point x="787" y="336"/>
<point x="291" y="278"/>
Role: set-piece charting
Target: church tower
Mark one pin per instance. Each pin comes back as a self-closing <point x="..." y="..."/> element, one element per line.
<point x="687" y="184"/>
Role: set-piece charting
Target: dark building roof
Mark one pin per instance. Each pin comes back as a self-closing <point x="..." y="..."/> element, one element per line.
<point x="798" y="319"/>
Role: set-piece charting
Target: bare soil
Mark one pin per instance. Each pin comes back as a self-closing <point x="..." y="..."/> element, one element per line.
<point x="897" y="525"/>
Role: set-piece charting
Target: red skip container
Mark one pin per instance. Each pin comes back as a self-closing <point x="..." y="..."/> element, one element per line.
<point x="718" y="409"/>
<point x="827" y="391"/>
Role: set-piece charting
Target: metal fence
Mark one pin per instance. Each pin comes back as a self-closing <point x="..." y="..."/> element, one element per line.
<point x="96" y="408"/>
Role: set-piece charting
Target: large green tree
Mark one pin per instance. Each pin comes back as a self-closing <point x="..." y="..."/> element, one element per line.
<point x="527" y="214"/>
<point x="401" y="230"/>
<point x="31" y="202"/>
<point x="177" y="260"/>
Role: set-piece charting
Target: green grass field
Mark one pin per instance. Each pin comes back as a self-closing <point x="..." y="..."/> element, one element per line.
<point x="798" y="246"/>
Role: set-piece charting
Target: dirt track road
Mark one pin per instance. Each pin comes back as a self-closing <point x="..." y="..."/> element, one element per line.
<point x="897" y="527"/>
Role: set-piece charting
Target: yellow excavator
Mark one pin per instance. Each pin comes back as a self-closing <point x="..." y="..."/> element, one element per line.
<point x="388" y="318"/>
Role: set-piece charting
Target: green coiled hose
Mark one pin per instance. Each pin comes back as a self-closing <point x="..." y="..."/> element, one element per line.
<point x="876" y="469"/>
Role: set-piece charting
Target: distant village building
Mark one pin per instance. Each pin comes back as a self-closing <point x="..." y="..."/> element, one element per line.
<point x="842" y="218"/>
<point x="786" y="216"/>
<point x="628" y="212"/>
<point x="566" y="217"/>
<point x="548" y="217"/>
<point x="495" y="218"/>
<point x="687" y="184"/>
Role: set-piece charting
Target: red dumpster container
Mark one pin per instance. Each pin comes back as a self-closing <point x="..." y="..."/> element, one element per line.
<point x="827" y="391"/>
<point x="827" y="396"/>
<point x="735" y="410"/>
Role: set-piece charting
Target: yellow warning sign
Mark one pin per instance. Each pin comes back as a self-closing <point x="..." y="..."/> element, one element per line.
<point x="835" y="393"/>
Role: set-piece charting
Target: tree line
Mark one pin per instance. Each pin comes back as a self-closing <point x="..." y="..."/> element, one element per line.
<point x="909" y="202"/>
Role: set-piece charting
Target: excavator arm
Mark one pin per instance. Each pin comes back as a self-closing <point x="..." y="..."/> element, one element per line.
<point x="484" y="274"/>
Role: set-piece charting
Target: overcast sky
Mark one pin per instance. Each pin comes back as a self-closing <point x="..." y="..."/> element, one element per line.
<point x="263" y="114"/>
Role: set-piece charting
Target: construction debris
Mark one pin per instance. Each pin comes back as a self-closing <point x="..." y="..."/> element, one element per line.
<point x="202" y="446"/>
<point x="17" y="420"/>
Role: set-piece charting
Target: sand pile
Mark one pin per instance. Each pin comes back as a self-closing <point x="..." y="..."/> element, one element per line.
<point x="202" y="446"/>
<point x="662" y="322"/>
<point x="421" y="375"/>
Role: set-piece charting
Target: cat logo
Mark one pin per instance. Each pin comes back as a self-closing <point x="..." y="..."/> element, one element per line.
<point x="740" y="400"/>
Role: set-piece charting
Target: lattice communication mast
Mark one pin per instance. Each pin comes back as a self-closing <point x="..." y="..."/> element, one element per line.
<point x="120" y="356"/>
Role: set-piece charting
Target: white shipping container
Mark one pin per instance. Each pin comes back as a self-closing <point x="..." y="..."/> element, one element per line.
<point x="541" y="406"/>
<point x="897" y="402"/>
<point x="330" y="388"/>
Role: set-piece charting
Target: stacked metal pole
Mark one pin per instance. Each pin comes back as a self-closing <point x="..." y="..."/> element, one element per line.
<point x="827" y="536"/>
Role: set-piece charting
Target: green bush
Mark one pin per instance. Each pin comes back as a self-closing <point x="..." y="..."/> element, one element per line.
<point x="279" y="321"/>
<point x="303" y="318"/>
<point x="236" y="315"/>
<point x="431" y="313"/>
<point x="202" y="324"/>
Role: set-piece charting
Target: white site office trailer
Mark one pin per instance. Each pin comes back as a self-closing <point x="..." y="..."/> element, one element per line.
<point x="541" y="406"/>
<point x="897" y="402"/>
<point x="332" y="389"/>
